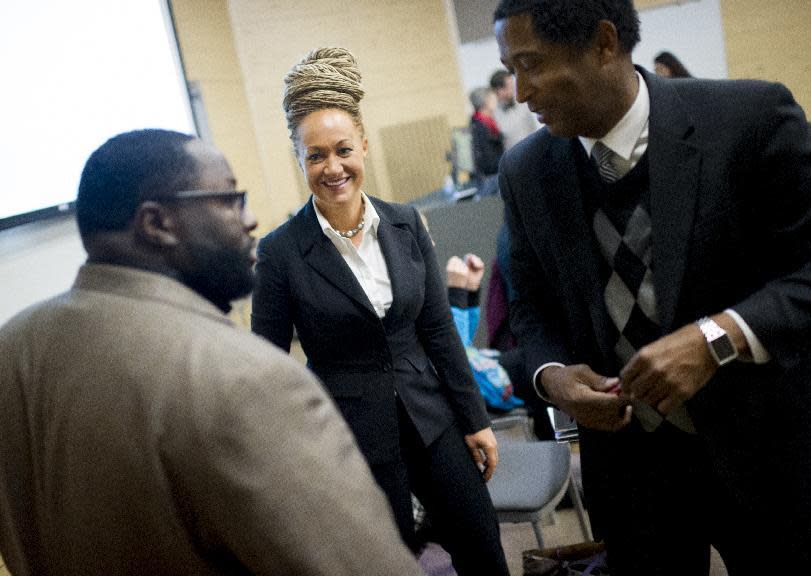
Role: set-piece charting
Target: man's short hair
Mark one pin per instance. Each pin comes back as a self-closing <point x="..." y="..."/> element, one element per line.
<point x="499" y="79"/>
<point x="574" y="22"/>
<point x="127" y="169"/>
<point x="478" y="97"/>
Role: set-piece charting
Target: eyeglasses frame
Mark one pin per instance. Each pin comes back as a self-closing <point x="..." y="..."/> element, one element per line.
<point x="182" y="195"/>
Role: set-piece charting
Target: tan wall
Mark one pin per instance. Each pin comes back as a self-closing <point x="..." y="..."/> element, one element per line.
<point x="770" y="40"/>
<point x="207" y="44"/>
<point x="239" y="52"/>
<point x="406" y="54"/>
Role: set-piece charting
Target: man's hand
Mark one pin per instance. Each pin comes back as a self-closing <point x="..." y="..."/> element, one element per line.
<point x="586" y="396"/>
<point x="484" y="449"/>
<point x="669" y="371"/>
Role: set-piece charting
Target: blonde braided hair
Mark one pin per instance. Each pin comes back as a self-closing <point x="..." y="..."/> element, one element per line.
<point x="325" y="78"/>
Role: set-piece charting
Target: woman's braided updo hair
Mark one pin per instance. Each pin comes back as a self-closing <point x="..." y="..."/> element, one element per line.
<point x="325" y="78"/>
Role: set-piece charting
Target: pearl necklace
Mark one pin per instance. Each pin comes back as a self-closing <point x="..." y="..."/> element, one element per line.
<point x="356" y="229"/>
<point x="353" y="231"/>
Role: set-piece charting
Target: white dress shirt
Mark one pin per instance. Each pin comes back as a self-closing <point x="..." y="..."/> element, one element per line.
<point x="366" y="261"/>
<point x="628" y="139"/>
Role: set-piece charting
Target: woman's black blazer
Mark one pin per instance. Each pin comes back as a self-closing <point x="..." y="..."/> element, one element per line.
<point x="414" y="352"/>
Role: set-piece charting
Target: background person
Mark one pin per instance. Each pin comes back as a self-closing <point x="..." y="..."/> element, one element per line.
<point x="683" y="242"/>
<point x="500" y="337"/>
<point x="358" y="279"/>
<point x="464" y="279"/>
<point x="142" y="432"/>
<point x="464" y="284"/>
<point x="667" y="65"/>
<point x="488" y="143"/>
<point x="515" y="121"/>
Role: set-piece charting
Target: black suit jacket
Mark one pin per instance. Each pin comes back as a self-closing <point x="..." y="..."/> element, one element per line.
<point x="730" y="183"/>
<point x="303" y="281"/>
<point x="487" y="148"/>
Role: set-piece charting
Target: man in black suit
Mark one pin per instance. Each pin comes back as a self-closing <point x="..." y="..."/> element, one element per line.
<point x="661" y="234"/>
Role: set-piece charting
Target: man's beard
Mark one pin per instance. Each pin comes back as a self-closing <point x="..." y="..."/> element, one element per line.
<point x="220" y="275"/>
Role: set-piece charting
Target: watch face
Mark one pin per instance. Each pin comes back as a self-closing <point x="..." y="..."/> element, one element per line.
<point x="723" y="348"/>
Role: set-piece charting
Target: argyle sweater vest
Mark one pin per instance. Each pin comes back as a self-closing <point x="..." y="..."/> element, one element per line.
<point x="621" y="231"/>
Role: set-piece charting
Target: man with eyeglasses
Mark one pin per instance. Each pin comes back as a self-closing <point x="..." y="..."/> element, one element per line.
<point x="142" y="433"/>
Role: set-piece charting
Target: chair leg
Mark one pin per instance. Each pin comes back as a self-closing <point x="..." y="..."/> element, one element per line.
<point x="550" y="519"/>
<point x="585" y="525"/>
<point x="537" y="529"/>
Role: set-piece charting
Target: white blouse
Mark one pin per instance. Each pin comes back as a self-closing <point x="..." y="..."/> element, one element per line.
<point x="366" y="261"/>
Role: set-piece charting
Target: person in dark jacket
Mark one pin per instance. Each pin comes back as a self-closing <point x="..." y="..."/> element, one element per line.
<point x="660" y="233"/>
<point x="666" y="64"/>
<point x="358" y="279"/>
<point x="488" y="142"/>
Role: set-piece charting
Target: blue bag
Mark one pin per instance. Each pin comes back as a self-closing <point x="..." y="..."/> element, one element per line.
<point x="494" y="383"/>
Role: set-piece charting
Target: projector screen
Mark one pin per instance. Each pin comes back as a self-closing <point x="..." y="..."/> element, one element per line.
<point x="75" y="74"/>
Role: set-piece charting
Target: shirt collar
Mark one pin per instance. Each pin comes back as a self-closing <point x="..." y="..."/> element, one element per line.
<point x="622" y="138"/>
<point x="371" y="219"/>
<point x="144" y="285"/>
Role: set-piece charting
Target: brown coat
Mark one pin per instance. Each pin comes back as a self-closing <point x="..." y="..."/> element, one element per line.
<point x="142" y="433"/>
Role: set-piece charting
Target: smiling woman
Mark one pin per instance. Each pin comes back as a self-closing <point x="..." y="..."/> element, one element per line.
<point x="331" y="150"/>
<point x="322" y="106"/>
<point x="359" y="280"/>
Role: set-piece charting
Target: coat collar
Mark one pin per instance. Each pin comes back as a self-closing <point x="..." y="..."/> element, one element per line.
<point x="675" y="165"/>
<point x="399" y="249"/>
<point x="320" y="254"/>
<point x="145" y="285"/>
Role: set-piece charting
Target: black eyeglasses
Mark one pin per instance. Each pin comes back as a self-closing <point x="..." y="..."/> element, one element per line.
<point x="237" y="196"/>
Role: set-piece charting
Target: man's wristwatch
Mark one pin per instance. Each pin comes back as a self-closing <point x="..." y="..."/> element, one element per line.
<point x="718" y="341"/>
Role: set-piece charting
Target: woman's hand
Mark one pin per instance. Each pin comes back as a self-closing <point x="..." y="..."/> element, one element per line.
<point x="484" y="449"/>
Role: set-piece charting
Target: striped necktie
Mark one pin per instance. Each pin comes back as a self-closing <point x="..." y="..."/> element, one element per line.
<point x="604" y="157"/>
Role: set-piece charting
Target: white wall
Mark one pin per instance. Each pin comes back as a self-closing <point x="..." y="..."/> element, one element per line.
<point x="477" y="62"/>
<point x="37" y="261"/>
<point x="79" y="73"/>
<point x="692" y="31"/>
